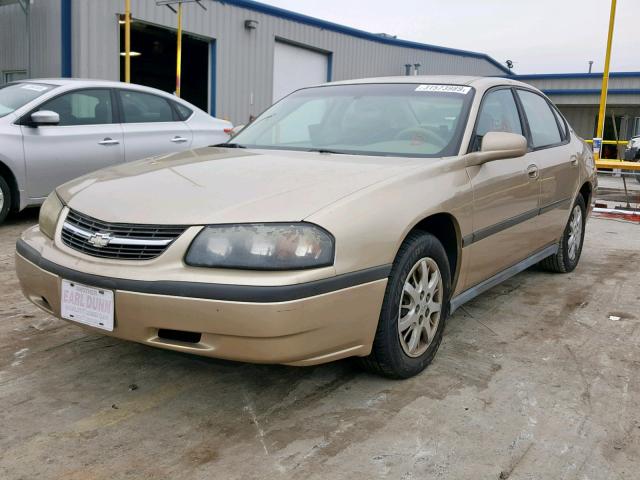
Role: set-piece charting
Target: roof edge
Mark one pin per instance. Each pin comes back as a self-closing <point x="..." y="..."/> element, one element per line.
<point x="540" y="76"/>
<point x="354" y="32"/>
<point x="590" y="91"/>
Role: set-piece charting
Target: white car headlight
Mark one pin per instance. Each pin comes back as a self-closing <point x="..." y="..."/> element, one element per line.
<point x="268" y="246"/>
<point x="49" y="214"/>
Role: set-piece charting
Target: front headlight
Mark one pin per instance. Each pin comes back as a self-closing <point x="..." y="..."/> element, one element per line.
<point x="268" y="246"/>
<point x="49" y="214"/>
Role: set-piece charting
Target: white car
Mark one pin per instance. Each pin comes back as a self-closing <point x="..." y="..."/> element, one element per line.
<point x="632" y="153"/>
<point x="53" y="130"/>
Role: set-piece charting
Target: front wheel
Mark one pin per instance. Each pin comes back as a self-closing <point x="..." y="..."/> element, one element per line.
<point x="570" y="246"/>
<point x="414" y="310"/>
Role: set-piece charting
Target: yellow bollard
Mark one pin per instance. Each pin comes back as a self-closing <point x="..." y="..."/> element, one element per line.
<point x="127" y="41"/>
<point x="179" y="53"/>
<point x="605" y="75"/>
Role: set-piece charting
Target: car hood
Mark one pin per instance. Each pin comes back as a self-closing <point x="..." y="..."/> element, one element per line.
<point x="222" y="185"/>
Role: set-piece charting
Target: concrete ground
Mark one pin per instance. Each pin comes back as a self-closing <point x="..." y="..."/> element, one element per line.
<point x="612" y="191"/>
<point x="537" y="379"/>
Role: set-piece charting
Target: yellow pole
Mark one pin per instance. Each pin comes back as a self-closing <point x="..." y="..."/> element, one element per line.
<point x="179" y="55"/>
<point x="127" y="41"/>
<point x="605" y="74"/>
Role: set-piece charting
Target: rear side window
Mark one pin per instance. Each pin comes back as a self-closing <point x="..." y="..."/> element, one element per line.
<point x="498" y="113"/>
<point x="83" y="107"/>
<point x="562" y="124"/>
<point x="140" y="107"/>
<point x="542" y="120"/>
<point x="183" y="112"/>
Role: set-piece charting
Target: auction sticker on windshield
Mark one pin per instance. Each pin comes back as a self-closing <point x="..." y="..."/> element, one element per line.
<point x="35" y="88"/>
<point x="444" y="89"/>
<point x="88" y="305"/>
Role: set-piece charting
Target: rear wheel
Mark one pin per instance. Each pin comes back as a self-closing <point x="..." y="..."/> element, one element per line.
<point x="5" y="199"/>
<point x="414" y="310"/>
<point x="570" y="246"/>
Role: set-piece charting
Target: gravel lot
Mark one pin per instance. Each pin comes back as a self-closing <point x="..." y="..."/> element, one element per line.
<point x="537" y="379"/>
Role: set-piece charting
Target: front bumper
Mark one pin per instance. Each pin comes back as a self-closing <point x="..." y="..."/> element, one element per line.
<point x="270" y="325"/>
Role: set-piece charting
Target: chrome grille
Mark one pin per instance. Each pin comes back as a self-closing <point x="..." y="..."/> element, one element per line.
<point x="117" y="240"/>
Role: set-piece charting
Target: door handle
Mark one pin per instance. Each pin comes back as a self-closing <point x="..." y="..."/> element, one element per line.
<point x="109" y="141"/>
<point x="177" y="139"/>
<point x="532" y="171"/>
<point x="574" y="160"/>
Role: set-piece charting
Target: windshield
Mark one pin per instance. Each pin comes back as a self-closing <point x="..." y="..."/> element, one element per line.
<point x="366" y="119"/>
<point x="15" y="95"/>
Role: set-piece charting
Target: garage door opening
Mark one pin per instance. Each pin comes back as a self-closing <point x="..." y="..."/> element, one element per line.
<point x="154" y="62"/>
<point x="296" y="67"/>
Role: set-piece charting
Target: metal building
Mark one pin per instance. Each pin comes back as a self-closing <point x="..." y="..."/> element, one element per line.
<point x="578" y="97"/>
<point x="238" y="55"/>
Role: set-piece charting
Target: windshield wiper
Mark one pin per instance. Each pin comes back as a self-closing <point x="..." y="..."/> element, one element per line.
<point x="229" y="145"/>
<point x="324" y="150"/>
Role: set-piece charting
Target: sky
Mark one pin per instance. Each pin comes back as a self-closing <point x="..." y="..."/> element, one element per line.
<point x="539" y="36"/>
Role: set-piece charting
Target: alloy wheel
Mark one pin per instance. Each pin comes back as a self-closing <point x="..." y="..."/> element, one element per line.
<point x="420" y="307"/>
<point x="575" y="232"/>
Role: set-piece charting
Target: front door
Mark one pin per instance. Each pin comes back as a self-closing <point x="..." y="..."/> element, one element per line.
<point x="85" y="140"/>
<point x="505" y="196"/>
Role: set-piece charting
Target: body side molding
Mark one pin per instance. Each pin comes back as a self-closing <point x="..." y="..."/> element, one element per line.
<point x="500" y="277"/>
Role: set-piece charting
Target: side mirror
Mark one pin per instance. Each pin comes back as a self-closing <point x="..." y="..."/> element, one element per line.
<point x="45" y="117"/>
<point x="498" y="146"/>
<point x="235" y="130"/>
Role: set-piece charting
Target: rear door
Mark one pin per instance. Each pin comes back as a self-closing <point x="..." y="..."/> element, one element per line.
<point x="87" y="138"/>
<point x="505" y="195"/>
<point x="556" y="159"/>
<point x="151" y="125"/>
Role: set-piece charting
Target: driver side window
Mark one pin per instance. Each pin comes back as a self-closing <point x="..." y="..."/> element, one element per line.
<point x="498" y="113"/>
<point x="82" y="107"/>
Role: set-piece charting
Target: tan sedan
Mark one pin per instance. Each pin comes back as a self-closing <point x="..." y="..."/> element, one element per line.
<point x="349" y="219"/>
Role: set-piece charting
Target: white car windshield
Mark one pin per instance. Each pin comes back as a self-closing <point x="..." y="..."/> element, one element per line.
<point x="15" y="95"/>
<point x="366" y="119"/>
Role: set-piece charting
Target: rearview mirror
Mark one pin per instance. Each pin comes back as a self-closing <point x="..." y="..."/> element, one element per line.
<point x="498" y="146"/>
<point x="45" y="117"/>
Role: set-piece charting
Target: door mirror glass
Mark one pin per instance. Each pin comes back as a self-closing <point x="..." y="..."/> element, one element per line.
<point x="45" y="117"/>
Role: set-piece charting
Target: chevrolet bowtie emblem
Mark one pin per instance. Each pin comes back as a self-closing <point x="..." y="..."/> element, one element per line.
<point x="100" y="239"/>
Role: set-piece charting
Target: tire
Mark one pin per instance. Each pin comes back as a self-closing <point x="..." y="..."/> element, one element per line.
<point x="5" y="200"/>
<point x="391" y="355"/>
<point x="568" y="255"/>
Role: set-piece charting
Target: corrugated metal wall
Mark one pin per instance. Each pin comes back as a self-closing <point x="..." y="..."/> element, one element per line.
<point x="244" y="57"/>
<point x="591" y="83"/>
<point x="45" y="39"/>
<point x="581" y="109"/>
<point x="580" y="83"/>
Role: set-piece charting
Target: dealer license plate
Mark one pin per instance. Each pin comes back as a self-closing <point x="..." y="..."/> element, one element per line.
<point x="87" y="305"/>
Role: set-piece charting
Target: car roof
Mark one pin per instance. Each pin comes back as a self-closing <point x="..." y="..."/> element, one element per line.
<point x="88" y="83"/>
<point x="474" y="81"/>
<point x="79" y="82"/>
